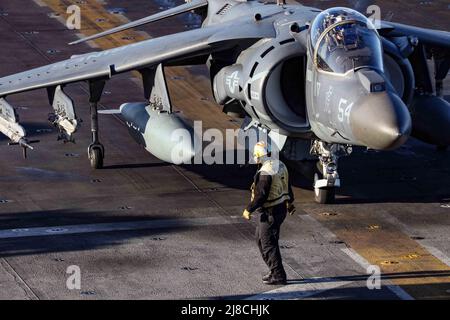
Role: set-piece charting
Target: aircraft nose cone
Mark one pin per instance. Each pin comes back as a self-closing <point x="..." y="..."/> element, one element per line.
<point x="381" y="121"/>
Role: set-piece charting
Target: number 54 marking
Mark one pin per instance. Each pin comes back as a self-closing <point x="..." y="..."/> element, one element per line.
<point x="344" y="109"/>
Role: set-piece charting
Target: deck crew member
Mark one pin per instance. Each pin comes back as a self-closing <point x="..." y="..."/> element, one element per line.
<point x="272" y="199"/>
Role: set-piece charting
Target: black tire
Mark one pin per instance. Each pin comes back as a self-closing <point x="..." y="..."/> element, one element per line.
<point x="323" y="195"/>
<point x="96" y="158"/>
<point x="441" y="148"/>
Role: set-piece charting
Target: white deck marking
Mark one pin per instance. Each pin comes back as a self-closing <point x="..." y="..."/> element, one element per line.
<point x="310" y="288"/>
<point x="436" y="253"/>
<point x="39" y="3"/>
<point x="116" y="226"/>
<point x="424" y="243"/>
<point x="399" y="292"/>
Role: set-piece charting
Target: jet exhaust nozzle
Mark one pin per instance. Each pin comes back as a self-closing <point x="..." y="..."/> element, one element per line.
<point x="431" y="120"/>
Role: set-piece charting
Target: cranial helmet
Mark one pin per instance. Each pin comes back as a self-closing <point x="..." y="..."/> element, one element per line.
<point x="260" y="151"/>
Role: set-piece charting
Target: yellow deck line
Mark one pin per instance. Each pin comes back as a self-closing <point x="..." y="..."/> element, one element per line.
<point x="412" y="267"/>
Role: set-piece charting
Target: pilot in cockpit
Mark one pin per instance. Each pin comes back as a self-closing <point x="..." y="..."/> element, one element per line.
<point x="341" y="41"/>
<point x="343" y="36"/>
<point x="345" y="40"/>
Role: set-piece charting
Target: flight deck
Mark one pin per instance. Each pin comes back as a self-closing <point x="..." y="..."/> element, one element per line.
<point x="141" y="228"/>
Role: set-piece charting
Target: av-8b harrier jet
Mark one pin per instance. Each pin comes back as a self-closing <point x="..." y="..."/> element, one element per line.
<point x="326" y="77"/>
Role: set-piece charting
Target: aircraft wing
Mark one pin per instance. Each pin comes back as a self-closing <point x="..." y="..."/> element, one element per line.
<point x="188" y="6"/>
<point x="136" y="56"/>
<point x="435" y="38"/>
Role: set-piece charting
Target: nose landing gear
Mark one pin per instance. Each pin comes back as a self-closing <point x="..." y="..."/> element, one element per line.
<point x="324" y="195"/>
<point x="326" y="178"/>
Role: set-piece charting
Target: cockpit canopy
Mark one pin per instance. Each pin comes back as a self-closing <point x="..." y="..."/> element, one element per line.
<point x="343" y="39"/>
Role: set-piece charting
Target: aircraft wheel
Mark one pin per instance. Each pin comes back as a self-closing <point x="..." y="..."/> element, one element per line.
<point x="323" y="195"/>
<point x="441" y="148"/>
<point x="96" y="158"/>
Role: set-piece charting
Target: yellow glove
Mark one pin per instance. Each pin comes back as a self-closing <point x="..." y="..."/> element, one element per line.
<point x="247" y="215"/>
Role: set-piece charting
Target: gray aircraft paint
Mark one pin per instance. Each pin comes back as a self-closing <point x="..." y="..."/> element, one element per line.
<point x="160" y="132"/>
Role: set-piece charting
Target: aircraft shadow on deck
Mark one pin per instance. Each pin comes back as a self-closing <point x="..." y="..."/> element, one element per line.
<point x="34" y="130"/>
<point x="368" y="176"/>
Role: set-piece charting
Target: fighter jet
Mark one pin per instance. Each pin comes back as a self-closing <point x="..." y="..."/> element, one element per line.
<point x="320" y="81"/>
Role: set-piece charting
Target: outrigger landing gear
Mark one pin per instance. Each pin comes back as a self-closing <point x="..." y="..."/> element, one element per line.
<point x="326" y="178"/>
<point x="96" y="151"/>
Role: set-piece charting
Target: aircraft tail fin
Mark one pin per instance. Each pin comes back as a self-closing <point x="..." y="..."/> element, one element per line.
<point x="188" y="6"/>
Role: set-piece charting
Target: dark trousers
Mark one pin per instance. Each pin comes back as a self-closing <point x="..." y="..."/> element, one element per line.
<point x="267" y="235"/>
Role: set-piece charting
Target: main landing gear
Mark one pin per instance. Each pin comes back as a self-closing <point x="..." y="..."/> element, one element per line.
<point x="326" y="177"/>
<point x="96" y="151"/>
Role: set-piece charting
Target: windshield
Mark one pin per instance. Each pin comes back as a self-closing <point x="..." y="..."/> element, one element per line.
<point x="343" y="40"/>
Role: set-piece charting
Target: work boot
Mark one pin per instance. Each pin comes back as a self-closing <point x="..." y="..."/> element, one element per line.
<point x="273" y="281"/>
<point x="267" y="276"/>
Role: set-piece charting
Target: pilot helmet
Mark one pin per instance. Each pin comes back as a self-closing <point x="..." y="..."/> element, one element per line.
<point x="343" y="35"/>
<point x="348" y="35"/>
